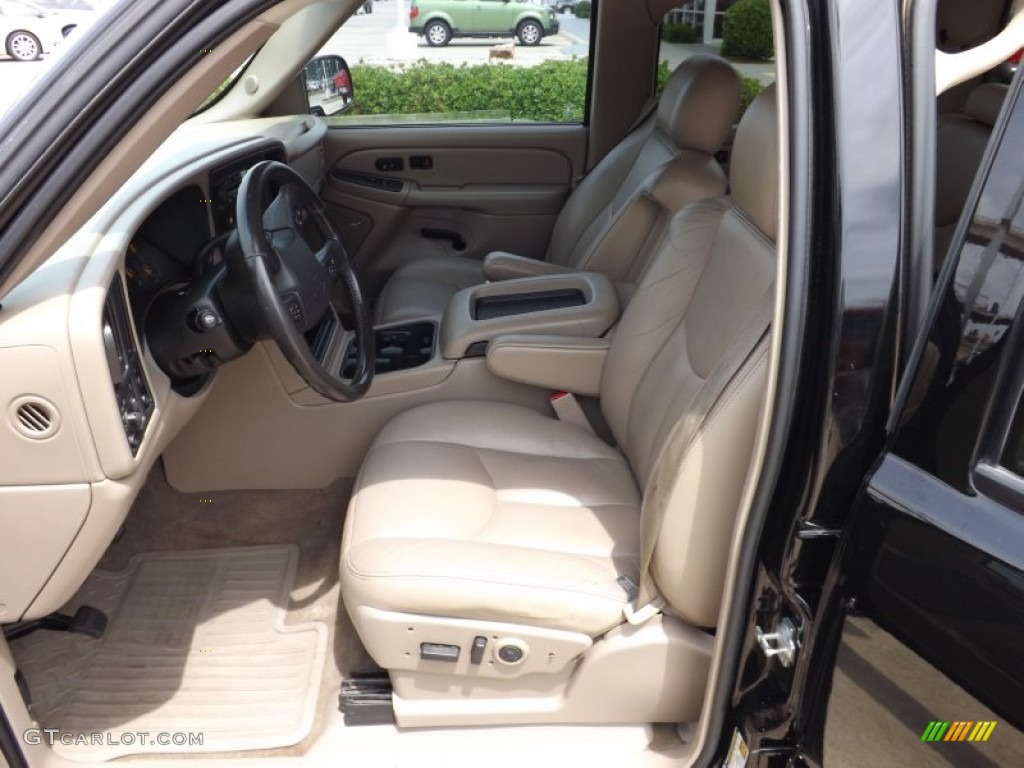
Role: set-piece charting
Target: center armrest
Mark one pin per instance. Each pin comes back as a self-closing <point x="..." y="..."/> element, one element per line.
<point x="565" y="363"/>
<point x="499" y="265"/>
<point x="575" y="304"/>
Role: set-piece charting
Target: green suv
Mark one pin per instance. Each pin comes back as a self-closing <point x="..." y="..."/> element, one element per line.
<point x="441" y="20"/>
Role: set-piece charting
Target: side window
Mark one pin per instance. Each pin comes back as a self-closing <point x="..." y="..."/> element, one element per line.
<point x="738" y="30"/>
<point x="963" y="419"/>
<point x="465" y="61"/>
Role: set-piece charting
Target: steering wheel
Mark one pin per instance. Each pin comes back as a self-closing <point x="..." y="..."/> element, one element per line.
<point x="294" y="285"/>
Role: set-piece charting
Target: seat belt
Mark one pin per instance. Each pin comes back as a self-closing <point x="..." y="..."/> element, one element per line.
<point x="647" y="602"/>
<point x="568" y="409"/>
<point x="645" y="111"/>
<point x="650" y="105"/>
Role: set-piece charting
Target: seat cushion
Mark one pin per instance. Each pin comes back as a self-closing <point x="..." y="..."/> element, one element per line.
<point x="492" y="511"/>
<point x="423" y="288"/>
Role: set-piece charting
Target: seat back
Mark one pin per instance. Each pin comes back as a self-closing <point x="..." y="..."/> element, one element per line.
<point x="614" y="219"/>
<point x="960" y="141"/>
<point x="715" y="267"/>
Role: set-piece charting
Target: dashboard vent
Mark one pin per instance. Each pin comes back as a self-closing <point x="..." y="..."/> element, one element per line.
<point x="35" y="418"/>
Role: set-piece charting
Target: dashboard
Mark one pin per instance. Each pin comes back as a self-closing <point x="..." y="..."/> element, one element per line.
<point x="88" y="411"/>
<point x="168" y="248"/>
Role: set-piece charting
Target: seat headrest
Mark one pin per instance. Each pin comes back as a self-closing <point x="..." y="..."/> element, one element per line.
<point x="985" y="101"/>
<point x="754" y="165"/>
<point x="699" y="103"/>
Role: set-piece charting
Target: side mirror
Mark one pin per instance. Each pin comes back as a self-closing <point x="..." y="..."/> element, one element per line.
<point x="328" y="86"/>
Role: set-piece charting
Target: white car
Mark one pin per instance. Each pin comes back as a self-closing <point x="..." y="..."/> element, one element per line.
<point x="27" y="30"/>
<point x="69" y="15"/>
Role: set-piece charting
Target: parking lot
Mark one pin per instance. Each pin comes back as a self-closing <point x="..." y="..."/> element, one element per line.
<point x="382" y="37"/>
<point x="15" y="78"/>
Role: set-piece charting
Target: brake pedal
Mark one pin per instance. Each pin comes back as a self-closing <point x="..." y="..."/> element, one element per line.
<point x="365" y="699"/>
<point x="86" y="621"/>
<point x="89" y="621"/>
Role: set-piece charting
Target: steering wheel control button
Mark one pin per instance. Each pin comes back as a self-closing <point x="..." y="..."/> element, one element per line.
<point x="510" y="651"/>
<point x="204" y="320"/>
<point x="439" y="652"/>
<point x="295" y="310"/>
<point x="476" y="651"/>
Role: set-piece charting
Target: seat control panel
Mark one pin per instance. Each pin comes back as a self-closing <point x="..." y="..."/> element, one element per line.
<point x="476" y="651"/>
<point x="439" y="652"/>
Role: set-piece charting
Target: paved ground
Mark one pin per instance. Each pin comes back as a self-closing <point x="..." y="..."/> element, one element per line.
<point x="15" y="78"/>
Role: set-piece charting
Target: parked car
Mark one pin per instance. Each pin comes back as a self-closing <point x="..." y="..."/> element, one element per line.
<point x="69" y="14"/>
<point x="561" y="6"/>
<point x="441" y="20"/>
<point x="27" y="30"/>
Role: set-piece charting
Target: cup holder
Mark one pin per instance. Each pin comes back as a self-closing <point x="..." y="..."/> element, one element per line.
<point x="399" y="348"/>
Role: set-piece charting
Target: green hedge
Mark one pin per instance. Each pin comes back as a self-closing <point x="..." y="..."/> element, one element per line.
<point x="747" y="30"/>
<point x="582" y="9"/>
<point x="749" y="88"/>
<point x="679" y="33"/>
<point x="550" y="91"/>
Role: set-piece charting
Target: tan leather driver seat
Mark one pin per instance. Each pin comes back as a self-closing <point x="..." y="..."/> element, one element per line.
<point x="484" y="524"/>
<point x="611" y="221"/>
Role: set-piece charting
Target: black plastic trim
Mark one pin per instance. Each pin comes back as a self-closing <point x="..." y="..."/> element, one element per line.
<point x="10" y="747"/>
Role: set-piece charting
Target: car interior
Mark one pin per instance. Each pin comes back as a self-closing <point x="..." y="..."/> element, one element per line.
<point x="328" y="462"/>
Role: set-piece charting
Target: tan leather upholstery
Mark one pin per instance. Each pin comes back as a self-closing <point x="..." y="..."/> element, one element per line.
<point x="421" y="287"/>
<point x="500" y="265"/>
<point x="755" y="161"/>
<point x="484" y="511"/>
<point x="564" y="363"/>
<point x="462" y="326"/>
<point x="614" y="219"/>
<point x="489" y="511"/>
<point x="960" y="143"/>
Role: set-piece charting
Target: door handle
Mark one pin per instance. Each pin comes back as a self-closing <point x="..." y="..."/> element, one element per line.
<point x="432" y="233"/>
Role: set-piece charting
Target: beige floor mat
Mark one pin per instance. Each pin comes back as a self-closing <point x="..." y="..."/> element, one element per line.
<point x="196" y="645"/>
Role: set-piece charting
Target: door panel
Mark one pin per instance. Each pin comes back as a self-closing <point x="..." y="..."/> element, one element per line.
<point x="497" y="187"/>
<point x="932" y="575"/>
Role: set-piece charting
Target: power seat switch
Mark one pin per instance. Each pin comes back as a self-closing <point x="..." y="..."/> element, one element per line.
<point x="476" y="652"/>
<point x="439" y="652"/>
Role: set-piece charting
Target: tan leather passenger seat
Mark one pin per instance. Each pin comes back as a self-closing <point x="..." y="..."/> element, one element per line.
<point x="612" y="221"/>
<point x="489" y="515"/>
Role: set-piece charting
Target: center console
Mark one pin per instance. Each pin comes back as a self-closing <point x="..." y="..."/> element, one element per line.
<point x="583" y="304"/>
<point x="398" y="348"/>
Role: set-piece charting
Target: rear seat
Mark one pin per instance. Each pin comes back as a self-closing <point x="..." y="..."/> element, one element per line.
<point x="960" y="142"/>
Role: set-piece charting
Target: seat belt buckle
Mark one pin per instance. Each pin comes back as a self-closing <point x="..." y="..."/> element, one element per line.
<point x="638" y="616"/>
<point x="568" y="409"/>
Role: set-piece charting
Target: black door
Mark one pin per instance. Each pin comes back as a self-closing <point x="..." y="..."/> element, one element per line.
<point x="929" y="589"/>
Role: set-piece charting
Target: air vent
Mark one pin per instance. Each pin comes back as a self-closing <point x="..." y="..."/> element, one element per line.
<point x="35" y="417"/>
